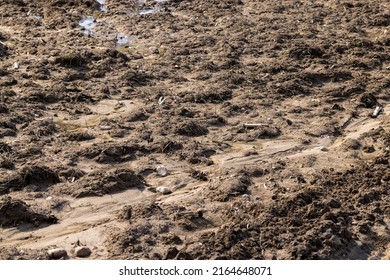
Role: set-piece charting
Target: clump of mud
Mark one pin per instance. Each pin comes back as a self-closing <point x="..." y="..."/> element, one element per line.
<point x="98" y="183"/>
<point x="192" y="129"/>
<point x="14" y="212"/>
<point x="41" y="176"/>
<point x="113" y="153"/>
<point x="71" y="60"/>
<point x="42" y="128"/>
<point x="80" y="136"/>
<point x="224" y="189"/>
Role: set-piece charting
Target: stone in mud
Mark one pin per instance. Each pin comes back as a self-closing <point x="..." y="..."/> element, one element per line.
<point x="154" y="50"/>
<point x="164" y="190"/>
<point x="83" y="252"/>
<point x="57" y="253"/>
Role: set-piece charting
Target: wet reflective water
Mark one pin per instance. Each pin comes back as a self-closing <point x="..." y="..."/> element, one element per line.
<point x="148" y="11"/>
<point x="102" y="3"/>
<point x="87" y="23"/>
<point x="122" y="39"/>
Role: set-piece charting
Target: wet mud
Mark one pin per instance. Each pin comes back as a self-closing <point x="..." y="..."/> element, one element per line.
<point x="271" y="121"/>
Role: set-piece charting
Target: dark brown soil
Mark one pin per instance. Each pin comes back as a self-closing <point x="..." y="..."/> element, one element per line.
<point x="16" y="212"/>
<point x="261" y="112"/>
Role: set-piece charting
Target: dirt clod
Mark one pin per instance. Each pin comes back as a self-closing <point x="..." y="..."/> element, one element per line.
<point x="16" y="212"/>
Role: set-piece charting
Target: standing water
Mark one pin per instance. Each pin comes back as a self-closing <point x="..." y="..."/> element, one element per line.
<point x="87" y="23"/>
<point x="102" y="3"/>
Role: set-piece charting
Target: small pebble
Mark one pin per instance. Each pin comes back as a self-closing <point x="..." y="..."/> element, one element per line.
<point x="154" y="50"/>
<point x="164" y="190"/>
<point x="324" y="149"/>
<point x="57" y="253"/>
<point x="105" y="127"/>
<point x="83" y="251"/>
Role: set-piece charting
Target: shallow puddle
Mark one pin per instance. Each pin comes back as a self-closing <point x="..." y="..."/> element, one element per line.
<point x="148" y="11"/>
<point x="122" y="39"/>
<point x="102" y="3"/>
<point x="88" y="23"/>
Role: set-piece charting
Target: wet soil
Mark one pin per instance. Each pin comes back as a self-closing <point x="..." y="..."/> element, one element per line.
<point x="261" y="112"/>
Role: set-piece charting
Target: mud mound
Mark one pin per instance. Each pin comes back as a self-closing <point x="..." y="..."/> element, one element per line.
<point x="113" y="153"/>
<point x="98" y="184"/>
<point x="41" y="176"/>
<point x="192" y="129"/>
<point x="42" y="128"/>
<point x="144" y="211"/>
<point x="224" y="189"/>
<point x="262" y="132"/>
<point x="340" y="217"/>
<point x="331" y="219"/>
<point x="165" y="145"/>
<point x="137" y="116"/>
<point x="211" y="96"/>
<point x="134" y="78"/>
<point x="304" y="51"/>
<point x="80" y="136"/>
<point x="15" y="212"/>
<point x="150" y="219"/>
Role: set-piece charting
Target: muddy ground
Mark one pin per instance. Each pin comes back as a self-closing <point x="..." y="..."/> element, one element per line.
<point x="260" y="111"/>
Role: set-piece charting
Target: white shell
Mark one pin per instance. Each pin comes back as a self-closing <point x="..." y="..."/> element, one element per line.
<point x="162" y="170"/>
